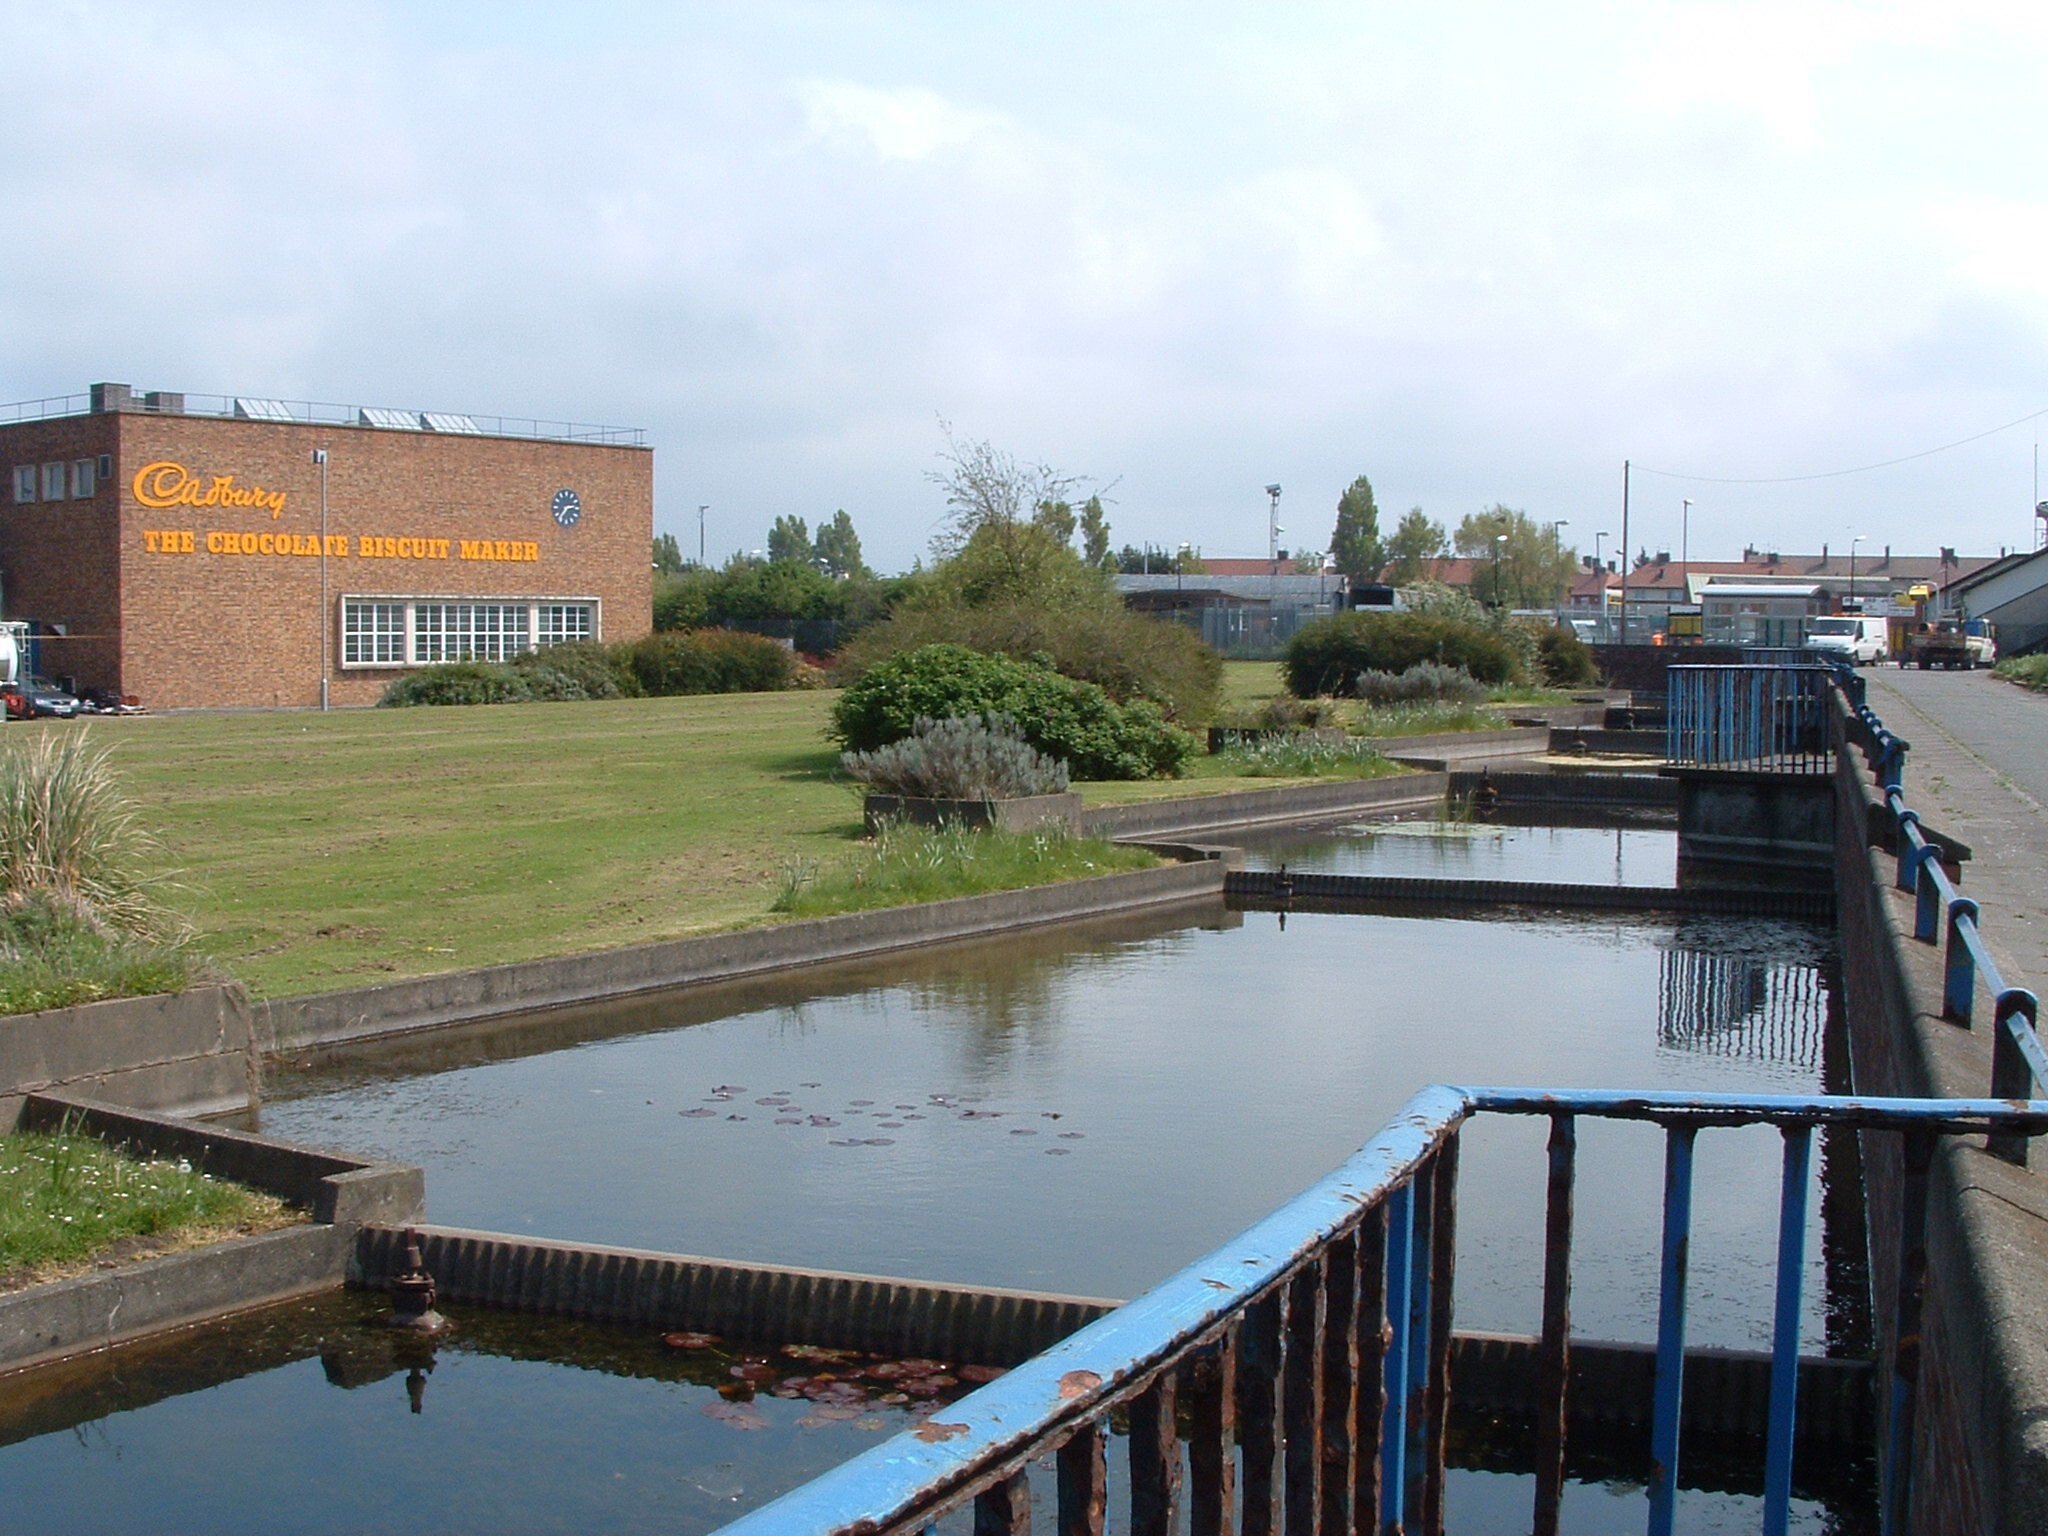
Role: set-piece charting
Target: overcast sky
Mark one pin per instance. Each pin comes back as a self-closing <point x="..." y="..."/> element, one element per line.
<point x="1479" y="253"/>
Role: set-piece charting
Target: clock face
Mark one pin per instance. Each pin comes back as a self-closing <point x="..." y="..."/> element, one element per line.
<point x="568" y="508"/>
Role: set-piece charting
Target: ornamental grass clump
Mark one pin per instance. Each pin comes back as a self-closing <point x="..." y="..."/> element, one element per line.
<point x="79" y="918"/>
<point x="969" y="757"/>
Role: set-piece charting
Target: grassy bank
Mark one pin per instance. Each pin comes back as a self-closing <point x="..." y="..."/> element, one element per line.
<point x="911" y="864"/>
<point x="69" y="1201"/>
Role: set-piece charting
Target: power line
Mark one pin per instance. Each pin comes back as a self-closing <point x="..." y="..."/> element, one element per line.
<point x="1835" y="474"/>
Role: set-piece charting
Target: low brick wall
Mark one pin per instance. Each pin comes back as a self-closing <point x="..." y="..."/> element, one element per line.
<point x="339" y="1192"/>
<point x="1980" y="1463"/>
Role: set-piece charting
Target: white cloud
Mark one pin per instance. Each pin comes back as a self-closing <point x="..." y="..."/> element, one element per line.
<point x="906" y="124"/>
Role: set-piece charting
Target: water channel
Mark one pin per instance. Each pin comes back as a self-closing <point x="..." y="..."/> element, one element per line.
<point x="1082" y="1109"/>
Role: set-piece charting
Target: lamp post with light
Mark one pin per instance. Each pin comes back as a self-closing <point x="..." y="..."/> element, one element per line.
<point x="1851" y="603"/>
<point x="1557" y="553"/>
<point x="1498" y="540"/>
<point x="326" y="640"/>
<point x="1684" y="530"/>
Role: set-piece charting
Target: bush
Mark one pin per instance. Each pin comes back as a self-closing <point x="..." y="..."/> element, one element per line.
<point x="70" y="840"/>
<point x="2027" y="671"/>
<point x="1327" y="655"/>
<point x="1127" y="655"/>
<point x="1060" y="716"/>
<point x="458" y="682"/>
<point x="1566" y="661"/>
<point x="582" y="669"/>
<point x="966" y="758"/>
<point x="1424" y="680"/>
<point x="708" y="661"/>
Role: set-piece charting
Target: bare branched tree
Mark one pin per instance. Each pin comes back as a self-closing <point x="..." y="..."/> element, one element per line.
<point x="988" y="488"/>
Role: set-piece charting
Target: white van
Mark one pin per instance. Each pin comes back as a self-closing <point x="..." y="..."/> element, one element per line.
<point x="1856" y="638"/>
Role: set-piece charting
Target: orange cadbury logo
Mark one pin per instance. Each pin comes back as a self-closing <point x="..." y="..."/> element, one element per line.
<point x="169" y="484"/>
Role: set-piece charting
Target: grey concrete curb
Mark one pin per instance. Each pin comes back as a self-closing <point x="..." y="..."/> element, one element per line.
<point x="1260" y="807"/>
<point x="94" y="1310"/>
<point x="1572" y="788"/>
<point x="638" y="1287"/>
<point x="430" y="1002"/>
<point x="182" y="1050"/>
<point x="1336" y="893"/>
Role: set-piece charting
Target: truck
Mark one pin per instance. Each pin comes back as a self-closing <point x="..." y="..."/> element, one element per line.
<point x="1856" y="638"/>
<point x="1951" y="646"/>
<point x="13" y="652"/>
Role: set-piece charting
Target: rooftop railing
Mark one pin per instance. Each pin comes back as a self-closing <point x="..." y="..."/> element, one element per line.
<point x="1297" y="1378"/>
<point x="330" y="414"/>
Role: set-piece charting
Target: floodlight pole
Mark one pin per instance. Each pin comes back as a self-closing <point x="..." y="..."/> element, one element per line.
<point x="326" y="639"/>
<point x="702" y="508"/>
<point x="1624" y="551"/>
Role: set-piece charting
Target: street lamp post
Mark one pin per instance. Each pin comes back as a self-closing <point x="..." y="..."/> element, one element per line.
<point x="1684" y="530"/>
<point x="1498" y="540"/>
<point x="1851" y="603"/>
<point x="701" y="510"/>
<point x="1556" y="552"/>
<point x="326" y="640"/>
<point x="1600" y="570"/>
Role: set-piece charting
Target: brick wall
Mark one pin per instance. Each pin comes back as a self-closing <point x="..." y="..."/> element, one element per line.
<point x="59" y="560"/>
<point x="219" y="605"/>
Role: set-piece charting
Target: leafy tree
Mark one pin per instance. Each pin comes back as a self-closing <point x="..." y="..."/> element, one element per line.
<point x="1534" y="565"/>
<point x="1417" y="539"/>
<point x="837" y="548"/>
<point x="1056" y="518"/>
<point x="1355" y="543"/>
<point x="1095" y="535"/>
<point x="1308" y="562"/>
<point x="668" y="557"/>
<point x="1154" y="561"/>
<point x="789" y="542"/>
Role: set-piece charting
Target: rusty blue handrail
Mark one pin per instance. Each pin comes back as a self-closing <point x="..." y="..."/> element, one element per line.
<point x="1311" y="1353"/>
<point x="1942" y="914"/>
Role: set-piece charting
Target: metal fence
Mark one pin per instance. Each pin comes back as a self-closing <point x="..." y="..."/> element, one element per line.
<point x="1297" y="1378"/>
<point x="1767" y="719"/>
<point x="1943" y="915"/>
<point x="334" y="414"/>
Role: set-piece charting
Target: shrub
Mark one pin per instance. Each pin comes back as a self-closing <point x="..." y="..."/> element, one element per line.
<point x="1424" y="680"/>
<point x="1060" y="716"/>
<point x="582" y="669"/>
<point x="458" y="682"/>
<point x="708" y="661"/>
<point x="70" y="840"/>
<point x="1565" y="660"/>
<point x="2027" y="671"/>
<point x="1327" y="655"/>
<point x="1127" y="655"/>
<point x="966" y="758"/>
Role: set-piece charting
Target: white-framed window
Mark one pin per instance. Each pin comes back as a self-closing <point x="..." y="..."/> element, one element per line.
<point x="53" y="481"/>
<point x="395" y="631"/>
<point x="561" y="623"/>
<point x="84" y="479"/>
<point x="372" y="633"/>
<point x="24" y="483"/>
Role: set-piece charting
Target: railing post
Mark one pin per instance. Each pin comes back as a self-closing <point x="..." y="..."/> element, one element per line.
<point x="1005" y="1509"/>
<point x="1891" y="763"/>
<point x="1211" y="1392"/>
<point x="2011" y="1077"/>
<point x="1302" y="1400"/>
<point x="1258" y="1411"/>
<point x="1400" y="1206"/>
<point x="1341" y="1388"/>
<point x="1436" y="1411"/>
<point x="1083" y="1477"/>
<point x="1553" y="1359"/>
<point x="1926" y="896"/>
<point x="1155" y="1458"/>
<point x="1371" y="1404"/>
<point x="1895" y="1475"/>
<point x="1784" y="1408"/>
<point x="1670" y="1380"/>
<point x="1959" y="965"/>
<point x="1909" y="868"/>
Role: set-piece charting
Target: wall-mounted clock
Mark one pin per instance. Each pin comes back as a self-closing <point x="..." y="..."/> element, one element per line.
<point x="568" y="508"/>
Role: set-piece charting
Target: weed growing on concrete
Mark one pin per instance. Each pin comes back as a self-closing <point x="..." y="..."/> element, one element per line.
<point x="905" y="864"/>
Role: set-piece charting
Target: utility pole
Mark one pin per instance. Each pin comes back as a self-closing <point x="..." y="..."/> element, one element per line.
<point x="701" y="510"/>
<point x="326" y="639"/>
<point x="1685" y="530"/>
<point x="1624" y="551"/>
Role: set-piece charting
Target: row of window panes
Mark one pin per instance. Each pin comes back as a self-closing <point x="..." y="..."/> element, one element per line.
<point x="59" y="481"/>
<point x="392" y="632"/>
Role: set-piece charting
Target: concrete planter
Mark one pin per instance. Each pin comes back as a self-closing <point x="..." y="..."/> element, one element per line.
<point x="1025" y="814"/>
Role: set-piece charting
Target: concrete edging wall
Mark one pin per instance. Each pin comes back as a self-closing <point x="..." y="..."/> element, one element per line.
<point x="1256" y="807"/>
<point x="94" y="1310"/>
<point x="1981" y="1454"/>
<point x="178" y="1050"/>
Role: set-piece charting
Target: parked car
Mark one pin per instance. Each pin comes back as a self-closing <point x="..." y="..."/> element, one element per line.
<point x="36" y="697"/>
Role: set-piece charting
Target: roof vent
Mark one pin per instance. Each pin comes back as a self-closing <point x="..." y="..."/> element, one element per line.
<point x="261" y="410"/>
<point x="383" y="416"/>
<point x="170" y="402"/>
<point x="112" y="397"/>
<point x="442" y="421"/>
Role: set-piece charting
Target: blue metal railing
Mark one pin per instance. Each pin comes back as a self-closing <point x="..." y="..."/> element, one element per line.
<point x="1769" y="719"/>
<point x="1940" y="912"/>
<point x="1308" y="1358"/>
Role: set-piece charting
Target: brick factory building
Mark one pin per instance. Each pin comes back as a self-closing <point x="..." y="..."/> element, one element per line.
<point x="175" y="548"/>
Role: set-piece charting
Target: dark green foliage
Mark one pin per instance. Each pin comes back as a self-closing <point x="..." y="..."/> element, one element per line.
<point x="668" y="555"/>
<point x="708" y="661"/>
<point x="836" y="549"/>
<point x="789" y="542"/>
<point x="458" y="682"/>
<point x="583" y="669"/>
<point x="1566" y="660"/>
<point x="1327" y="655"/>
<point x="1355" y="545"/>
<point x="747" y="590"/>
<point x="1095" y="535"/>
<point x="1061" y="716"/>
<point x="1415" y="540"/>
<point x="970" y="757"/>
<point x="1127" y="655"/>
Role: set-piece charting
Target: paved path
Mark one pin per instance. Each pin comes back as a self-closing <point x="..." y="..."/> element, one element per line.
<point x="1978" y="770"/>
